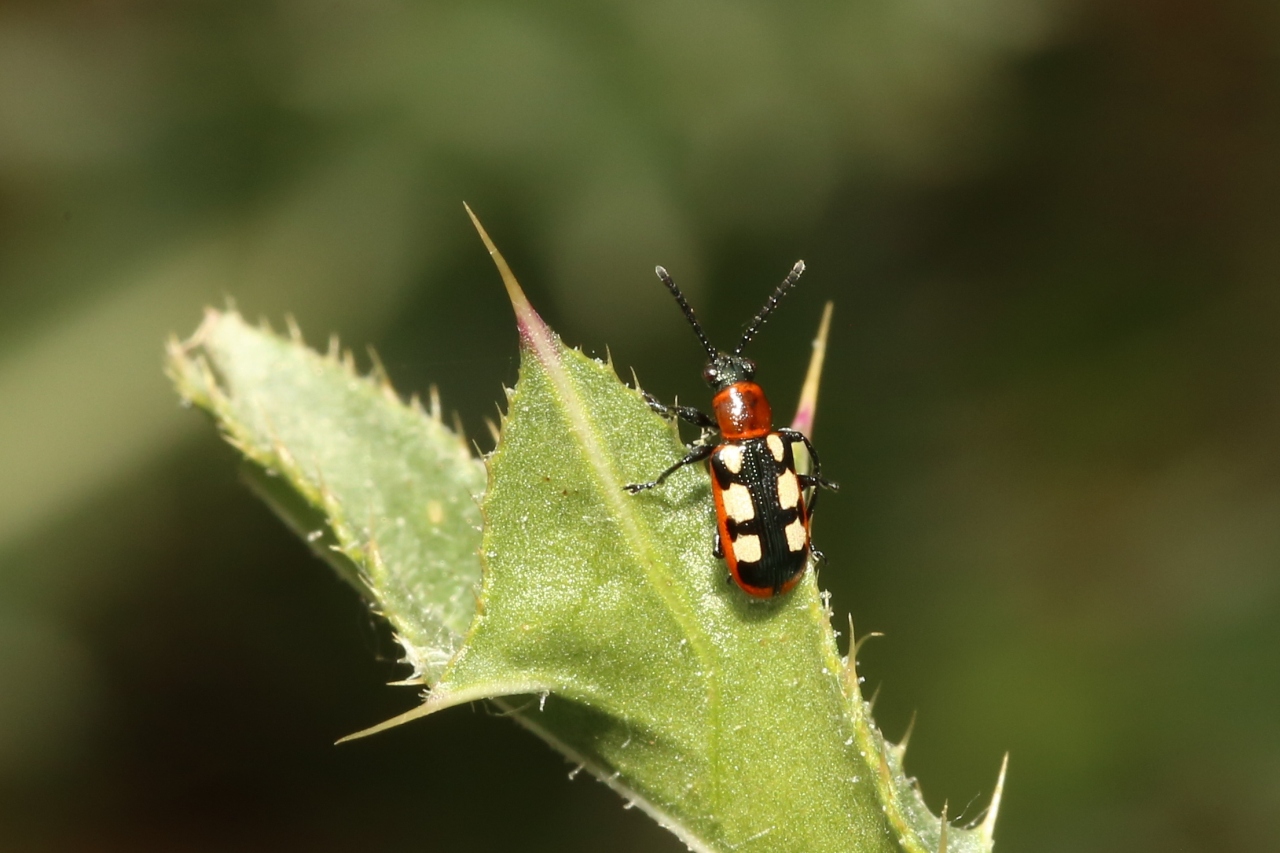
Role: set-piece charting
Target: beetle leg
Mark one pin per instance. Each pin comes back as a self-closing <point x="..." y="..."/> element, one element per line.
<point x="696" y="453"/>
<point x="717" y="550"/>
<point x="684" y="413"/>
<point x="809" y="481"/>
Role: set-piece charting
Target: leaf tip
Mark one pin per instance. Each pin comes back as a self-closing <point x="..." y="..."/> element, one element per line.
<point x="531" y="326"/>
<point x="441" y="698"/>
<point x="807" y="408"/>
<point x="989" y="823"/>
<point x="400" y="719"/>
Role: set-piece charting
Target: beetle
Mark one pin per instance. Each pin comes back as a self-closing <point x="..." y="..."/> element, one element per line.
<point x="764" y="506"/>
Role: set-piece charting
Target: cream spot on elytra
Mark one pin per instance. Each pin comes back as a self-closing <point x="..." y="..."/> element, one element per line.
<point x="788" y="489"/>
<point x="738" y="504"/>
<point x="796" y="535"/>
<point x="747" y="548"/>
<point x="731" y="457"/>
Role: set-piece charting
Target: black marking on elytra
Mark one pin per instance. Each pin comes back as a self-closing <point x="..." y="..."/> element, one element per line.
<point x="759" y="473"/>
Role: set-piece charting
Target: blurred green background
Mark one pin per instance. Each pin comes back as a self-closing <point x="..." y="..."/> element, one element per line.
<point x="1052" y="232"/>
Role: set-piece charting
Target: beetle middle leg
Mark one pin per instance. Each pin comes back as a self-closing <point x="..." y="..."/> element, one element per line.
<point x="810" y="481"/>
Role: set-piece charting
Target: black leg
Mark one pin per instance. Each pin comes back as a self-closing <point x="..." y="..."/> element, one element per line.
<point x="684" y="413"/>
<point x="810" y="481"/>
<point x="696" y="453"/>
<point x="717" y="550"/>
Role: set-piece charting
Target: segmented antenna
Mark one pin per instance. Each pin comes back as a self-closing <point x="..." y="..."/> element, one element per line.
<point x="688" y="311"/>
<point x="770" y="304"/>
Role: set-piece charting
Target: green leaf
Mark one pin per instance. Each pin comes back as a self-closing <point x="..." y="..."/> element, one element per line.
<point x="602" y="622"/>
<point x="382" y="490"/>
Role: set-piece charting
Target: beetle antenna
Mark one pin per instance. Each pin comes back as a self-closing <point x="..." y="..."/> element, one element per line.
<point x="770" y="304"/>
<point x="688" y="311"/>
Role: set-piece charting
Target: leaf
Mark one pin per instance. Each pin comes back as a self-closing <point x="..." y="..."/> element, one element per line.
<point x="603" y="622"/>
<point x="383" y="490"/>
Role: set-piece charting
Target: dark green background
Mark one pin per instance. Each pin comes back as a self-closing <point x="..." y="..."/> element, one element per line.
<point x="1052" y="232"/>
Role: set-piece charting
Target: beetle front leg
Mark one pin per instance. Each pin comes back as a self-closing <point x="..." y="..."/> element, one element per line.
<point x="696" y="453"/>
<point x="685" y="413"/>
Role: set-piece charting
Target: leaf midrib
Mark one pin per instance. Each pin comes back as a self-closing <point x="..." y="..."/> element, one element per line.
<point x="548" y="350"/>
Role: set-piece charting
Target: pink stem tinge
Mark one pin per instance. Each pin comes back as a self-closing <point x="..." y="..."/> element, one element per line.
<point x="808" y="406"/>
